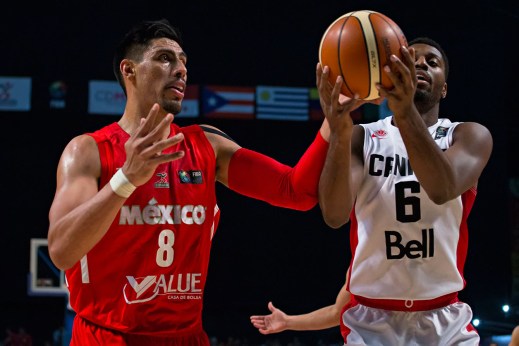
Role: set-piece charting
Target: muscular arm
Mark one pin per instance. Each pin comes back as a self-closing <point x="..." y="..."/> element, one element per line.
<point x="343" y="168"/>
<point x="261" y="177"/>
<point x="341" y="176"/>
<point x="445" y="175"/>
<point x="80" y="214"/>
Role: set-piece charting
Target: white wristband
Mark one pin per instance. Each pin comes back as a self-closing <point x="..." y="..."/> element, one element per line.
<point x="121" y="185"/>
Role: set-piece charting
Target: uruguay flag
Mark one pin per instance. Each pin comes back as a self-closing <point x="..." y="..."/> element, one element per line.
<point x="282" y="103"/>
<point x="314" y="106"/>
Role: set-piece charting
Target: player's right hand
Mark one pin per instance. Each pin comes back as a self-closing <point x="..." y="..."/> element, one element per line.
<point x="336" y="106"/>
<point x="144" y="147"/>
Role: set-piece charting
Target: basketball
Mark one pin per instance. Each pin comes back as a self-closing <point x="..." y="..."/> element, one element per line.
<point x="356" y="46"/>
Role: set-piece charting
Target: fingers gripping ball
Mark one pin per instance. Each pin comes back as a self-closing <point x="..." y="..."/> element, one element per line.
<point x="356" y="46"/>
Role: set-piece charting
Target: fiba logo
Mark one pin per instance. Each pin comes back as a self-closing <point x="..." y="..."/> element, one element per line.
<point x="57" y="92"/>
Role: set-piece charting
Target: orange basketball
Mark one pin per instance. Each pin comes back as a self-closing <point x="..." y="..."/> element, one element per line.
<point x="356" y="46"/>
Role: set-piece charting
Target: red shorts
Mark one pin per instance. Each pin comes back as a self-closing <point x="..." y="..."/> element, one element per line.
<point x="85" y="333"/>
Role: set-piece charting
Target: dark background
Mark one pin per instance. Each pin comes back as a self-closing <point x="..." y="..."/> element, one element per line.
<point x="260" y="253"/>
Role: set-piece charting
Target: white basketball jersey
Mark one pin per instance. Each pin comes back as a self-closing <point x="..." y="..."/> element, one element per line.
<point x="404" y="246"/>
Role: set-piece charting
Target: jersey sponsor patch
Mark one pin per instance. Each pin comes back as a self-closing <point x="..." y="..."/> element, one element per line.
<point x="441" y="132"/>
<point x="379" y="134"/>
<point x="190" y="177"/>
<point x="162" y="181"/>
<point x="182" y="286"/>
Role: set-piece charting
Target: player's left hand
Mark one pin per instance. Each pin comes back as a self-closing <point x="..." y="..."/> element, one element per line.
<point x="336" y="106"/>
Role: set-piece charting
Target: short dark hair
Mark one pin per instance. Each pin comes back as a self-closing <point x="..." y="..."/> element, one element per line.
<point x="430" y="42"/>
<point x="138" y="38"/>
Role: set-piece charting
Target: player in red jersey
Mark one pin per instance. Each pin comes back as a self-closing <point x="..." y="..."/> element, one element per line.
<point x="135" y="211"/>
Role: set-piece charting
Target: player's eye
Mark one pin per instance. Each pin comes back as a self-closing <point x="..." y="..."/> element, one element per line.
<point x="164" y="57"/>
<point x="433" y="62"/>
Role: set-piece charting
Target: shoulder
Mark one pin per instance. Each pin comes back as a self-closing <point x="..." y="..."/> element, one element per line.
<point x="472" y="131"/>
<point x="81" y="144"/>
<point x="358" y="133"/>
<point x="106" y="132"/>
<point x="213" y="131"/>
<point x="474" y="139"/>
<point x="472" y="126"/>
<point x="382" y="125"/>
<point x="357" y="140"/>
<point x="514" y="341"/>
<point x="81" y="152"/>
<point x="222" y="143"/>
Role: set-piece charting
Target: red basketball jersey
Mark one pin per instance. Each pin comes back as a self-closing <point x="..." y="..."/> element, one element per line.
<point x="147" y="274"/>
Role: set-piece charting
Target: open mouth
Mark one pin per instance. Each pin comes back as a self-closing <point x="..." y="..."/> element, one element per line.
<point x="423" y="77"/>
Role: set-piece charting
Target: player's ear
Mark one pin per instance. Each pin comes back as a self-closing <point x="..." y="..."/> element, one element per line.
<point x="127" y="68"/>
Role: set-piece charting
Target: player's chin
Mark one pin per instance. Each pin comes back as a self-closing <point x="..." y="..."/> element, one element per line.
<point x="172" y="106"/>
<point x="421" y="93"/>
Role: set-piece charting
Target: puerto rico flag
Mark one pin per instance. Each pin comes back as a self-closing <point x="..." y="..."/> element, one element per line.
<point x="228" y="102"/>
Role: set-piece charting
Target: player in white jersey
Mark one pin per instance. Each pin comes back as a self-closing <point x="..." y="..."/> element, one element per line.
<point x="406" y="184"/>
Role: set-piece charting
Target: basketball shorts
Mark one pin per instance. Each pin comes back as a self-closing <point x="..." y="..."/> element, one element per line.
<point x="447" y="326"/>
<point x="85" y="333"/>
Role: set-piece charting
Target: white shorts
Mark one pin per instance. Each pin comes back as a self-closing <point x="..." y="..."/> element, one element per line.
<point x="446" y="326"/>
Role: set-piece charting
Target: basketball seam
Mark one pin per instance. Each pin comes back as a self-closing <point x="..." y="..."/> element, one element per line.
<point x="368" y="25"/>
<point x="339" y="54"/>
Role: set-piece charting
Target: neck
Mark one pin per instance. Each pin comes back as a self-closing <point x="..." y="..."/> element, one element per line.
<point x="127" y="125"/>
<point x="430" y="117"/>
<point x="134" y="112"/>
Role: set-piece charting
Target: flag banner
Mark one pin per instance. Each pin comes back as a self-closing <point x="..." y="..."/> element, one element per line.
<point x="105" y="97"/>
<point x="190" y="103"/>
<point x="228" y="102"/>
<point x="314" y="105"/>
<point x="15" y="93"/>
<point x="58" y="94"/>
<point x="282" y="103"/>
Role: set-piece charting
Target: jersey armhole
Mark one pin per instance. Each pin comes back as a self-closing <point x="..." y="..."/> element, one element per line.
<point x="106" y="158"/>
<point x="215" y="131"/>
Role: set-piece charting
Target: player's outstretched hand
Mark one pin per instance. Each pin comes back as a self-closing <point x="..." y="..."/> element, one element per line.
<point x="268" y="324"/>
<point x="336" y="106"/>
<point x="145" y="146"/>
